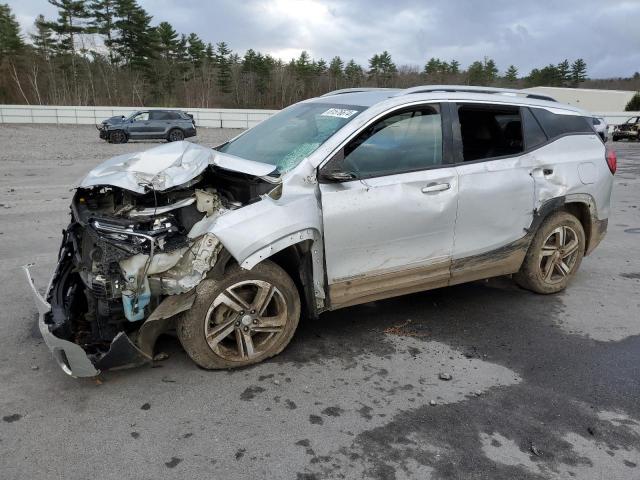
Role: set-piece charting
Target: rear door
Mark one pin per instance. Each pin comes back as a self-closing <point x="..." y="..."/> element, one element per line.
<point x="159" y="123"/>
<point x="496" y="189"/>
<point x="388" y="230"/>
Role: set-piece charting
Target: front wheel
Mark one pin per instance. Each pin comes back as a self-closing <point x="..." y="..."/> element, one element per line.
<point x="554" y="255"/>
<point x="245" y="318"/>
<point x="117" y="136"/>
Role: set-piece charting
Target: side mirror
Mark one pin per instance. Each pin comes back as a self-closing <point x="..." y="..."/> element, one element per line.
<point x="338" y="176"/>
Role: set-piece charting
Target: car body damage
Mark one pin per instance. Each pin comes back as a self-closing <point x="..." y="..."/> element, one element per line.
<point x="330" y="203"/>
<point x="145" y="230"/>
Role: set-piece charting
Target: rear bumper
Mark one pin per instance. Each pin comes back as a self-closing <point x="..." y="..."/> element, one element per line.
<point x="71" y="357"/>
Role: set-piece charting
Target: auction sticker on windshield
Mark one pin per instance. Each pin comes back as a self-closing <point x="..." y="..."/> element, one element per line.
<point x="339" y="112"/>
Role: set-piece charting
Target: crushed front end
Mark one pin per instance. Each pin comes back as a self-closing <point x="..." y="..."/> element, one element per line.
<point x="128" y="266"/>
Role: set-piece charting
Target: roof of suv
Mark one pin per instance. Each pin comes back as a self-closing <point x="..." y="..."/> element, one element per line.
<point x="367" y="97"/>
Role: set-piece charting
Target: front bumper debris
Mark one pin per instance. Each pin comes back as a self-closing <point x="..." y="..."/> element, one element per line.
<point x="72" y="358"/>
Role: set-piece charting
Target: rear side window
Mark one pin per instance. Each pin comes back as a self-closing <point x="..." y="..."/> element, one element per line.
<point x="556" y="125"/>
<point x="533" y="133"/>
<point x="173" y="116"/>
<point x="490" y="131"/>
<point x="158" y="115"/>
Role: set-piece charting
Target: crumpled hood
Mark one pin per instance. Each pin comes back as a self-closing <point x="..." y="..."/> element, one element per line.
<point x="167" y="166"/>
<point x="113" y="120"/>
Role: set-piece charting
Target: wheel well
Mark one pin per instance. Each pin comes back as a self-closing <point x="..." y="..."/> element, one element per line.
<point x="581" y="211"/>
<point x="295" y="260"/>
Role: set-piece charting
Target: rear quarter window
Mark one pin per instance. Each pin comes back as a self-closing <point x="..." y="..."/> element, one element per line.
<point x="533" y="133"/>
<point x="555" y="125"/>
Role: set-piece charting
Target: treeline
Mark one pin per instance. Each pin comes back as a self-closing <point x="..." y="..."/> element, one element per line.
<point x="108" y="52"/>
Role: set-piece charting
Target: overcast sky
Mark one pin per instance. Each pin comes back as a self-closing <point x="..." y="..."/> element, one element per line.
<point x="526" y="33"/>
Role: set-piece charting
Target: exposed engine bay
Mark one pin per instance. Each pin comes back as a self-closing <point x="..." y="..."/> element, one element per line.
<point x="125" y="252"/>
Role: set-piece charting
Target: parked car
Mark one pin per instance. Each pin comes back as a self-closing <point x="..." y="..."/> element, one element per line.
<point x="351" y="197"/>
<point x="172" y="125"/>
<point x="629" y="130"/>
<point x="601" y="128"/>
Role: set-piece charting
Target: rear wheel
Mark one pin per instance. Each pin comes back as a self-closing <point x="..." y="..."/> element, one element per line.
<point x="175" y="135"/>
<point x="245" y="318"/>
<point x="117" y="136"/>
<point x="554" y="255"/>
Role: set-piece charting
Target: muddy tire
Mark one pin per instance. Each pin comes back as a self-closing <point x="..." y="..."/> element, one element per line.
<point x="117" y="136"/>
<point x="242" y="319"/>
<point x="554" y="255"/>
<point x="175" y="135"/>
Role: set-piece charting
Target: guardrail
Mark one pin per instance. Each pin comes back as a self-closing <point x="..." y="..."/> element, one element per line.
<point x="61" y="115"/>
<point x="204" y="117"/>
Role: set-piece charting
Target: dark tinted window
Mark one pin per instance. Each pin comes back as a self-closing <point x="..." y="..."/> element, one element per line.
<point x="158" y="115"/>
<point x="173" y="116"/>
<point x="490" y="131"/>
<point x="596" y="121"/>
<point x="556" y="125"/>
<point x="411" y="140"/>
<point x="533" y="134"/>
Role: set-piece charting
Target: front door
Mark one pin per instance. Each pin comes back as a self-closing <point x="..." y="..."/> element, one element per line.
<point x="388" y="230"/>
<point x="140" y="126"/>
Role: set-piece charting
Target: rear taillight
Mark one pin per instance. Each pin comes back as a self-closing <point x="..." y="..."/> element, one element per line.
<point x="612" y="160"/>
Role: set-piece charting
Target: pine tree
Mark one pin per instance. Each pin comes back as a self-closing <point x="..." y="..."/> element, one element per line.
<point x="382" y="68"/>
<point x="102" y="14"/>
<point x="490" y="71"/>
<point x="168" y="42"/>
<point x="511" y="75"/>
<point x="564" y="73"/>
<point x="223" y="64"/>
<point x="578" y="72"/>
<point x="475" y="74"/>
<point x="42" y="39"/>
<point x="70" y="23"/>
<point x="196" y="50"/>
<point x="634" y="104"/>
<point x="353" y="73"/>
<point x="454" y="67"/>
<point x="336" y="67"/>
<point x="11" y="43"/>
<point x="320" y="67"/>
<point x="136" y="40"/>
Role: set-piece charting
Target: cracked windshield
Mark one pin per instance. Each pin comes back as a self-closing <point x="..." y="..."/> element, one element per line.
<point x="285" y="139"/>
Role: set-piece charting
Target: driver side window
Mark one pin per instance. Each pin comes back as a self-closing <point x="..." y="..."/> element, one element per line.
<point x="141" y="117"/>
<point x="402" y="142"/>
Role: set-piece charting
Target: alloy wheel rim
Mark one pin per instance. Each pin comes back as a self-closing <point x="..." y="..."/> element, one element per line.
<point x="245" y="320"/>
<point x="559" y="254"/>
<point x="175" y="136"/>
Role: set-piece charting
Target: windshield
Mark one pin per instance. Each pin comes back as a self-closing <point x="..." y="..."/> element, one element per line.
<point x="289" y="136"/>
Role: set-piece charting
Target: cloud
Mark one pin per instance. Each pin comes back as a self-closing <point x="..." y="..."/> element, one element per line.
<point x="527" y="34"/>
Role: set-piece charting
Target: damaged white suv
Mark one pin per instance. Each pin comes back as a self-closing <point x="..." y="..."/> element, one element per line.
<point x="351" y="197"/>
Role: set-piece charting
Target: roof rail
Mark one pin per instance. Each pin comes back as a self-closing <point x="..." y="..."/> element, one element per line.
<point x="354" y="90"/>
<point x="512" y="92"/>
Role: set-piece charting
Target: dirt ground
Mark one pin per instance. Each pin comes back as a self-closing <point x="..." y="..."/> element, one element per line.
<point x="541" y="388"/>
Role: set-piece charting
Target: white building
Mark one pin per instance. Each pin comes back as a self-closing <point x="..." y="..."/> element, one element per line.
<point x="603" y="103"/>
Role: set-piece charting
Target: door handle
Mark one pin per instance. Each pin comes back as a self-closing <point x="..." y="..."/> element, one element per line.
<point x="436" y="187"/>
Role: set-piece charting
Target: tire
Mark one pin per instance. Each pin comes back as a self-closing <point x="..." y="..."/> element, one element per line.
<point x="229" y="311"/>
<point x="175" y="135"/>
<point x="559" y="240"/>
<point x="118" y="136"/>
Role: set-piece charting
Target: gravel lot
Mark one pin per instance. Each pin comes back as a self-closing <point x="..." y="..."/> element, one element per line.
<point x="543" y="387"/>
